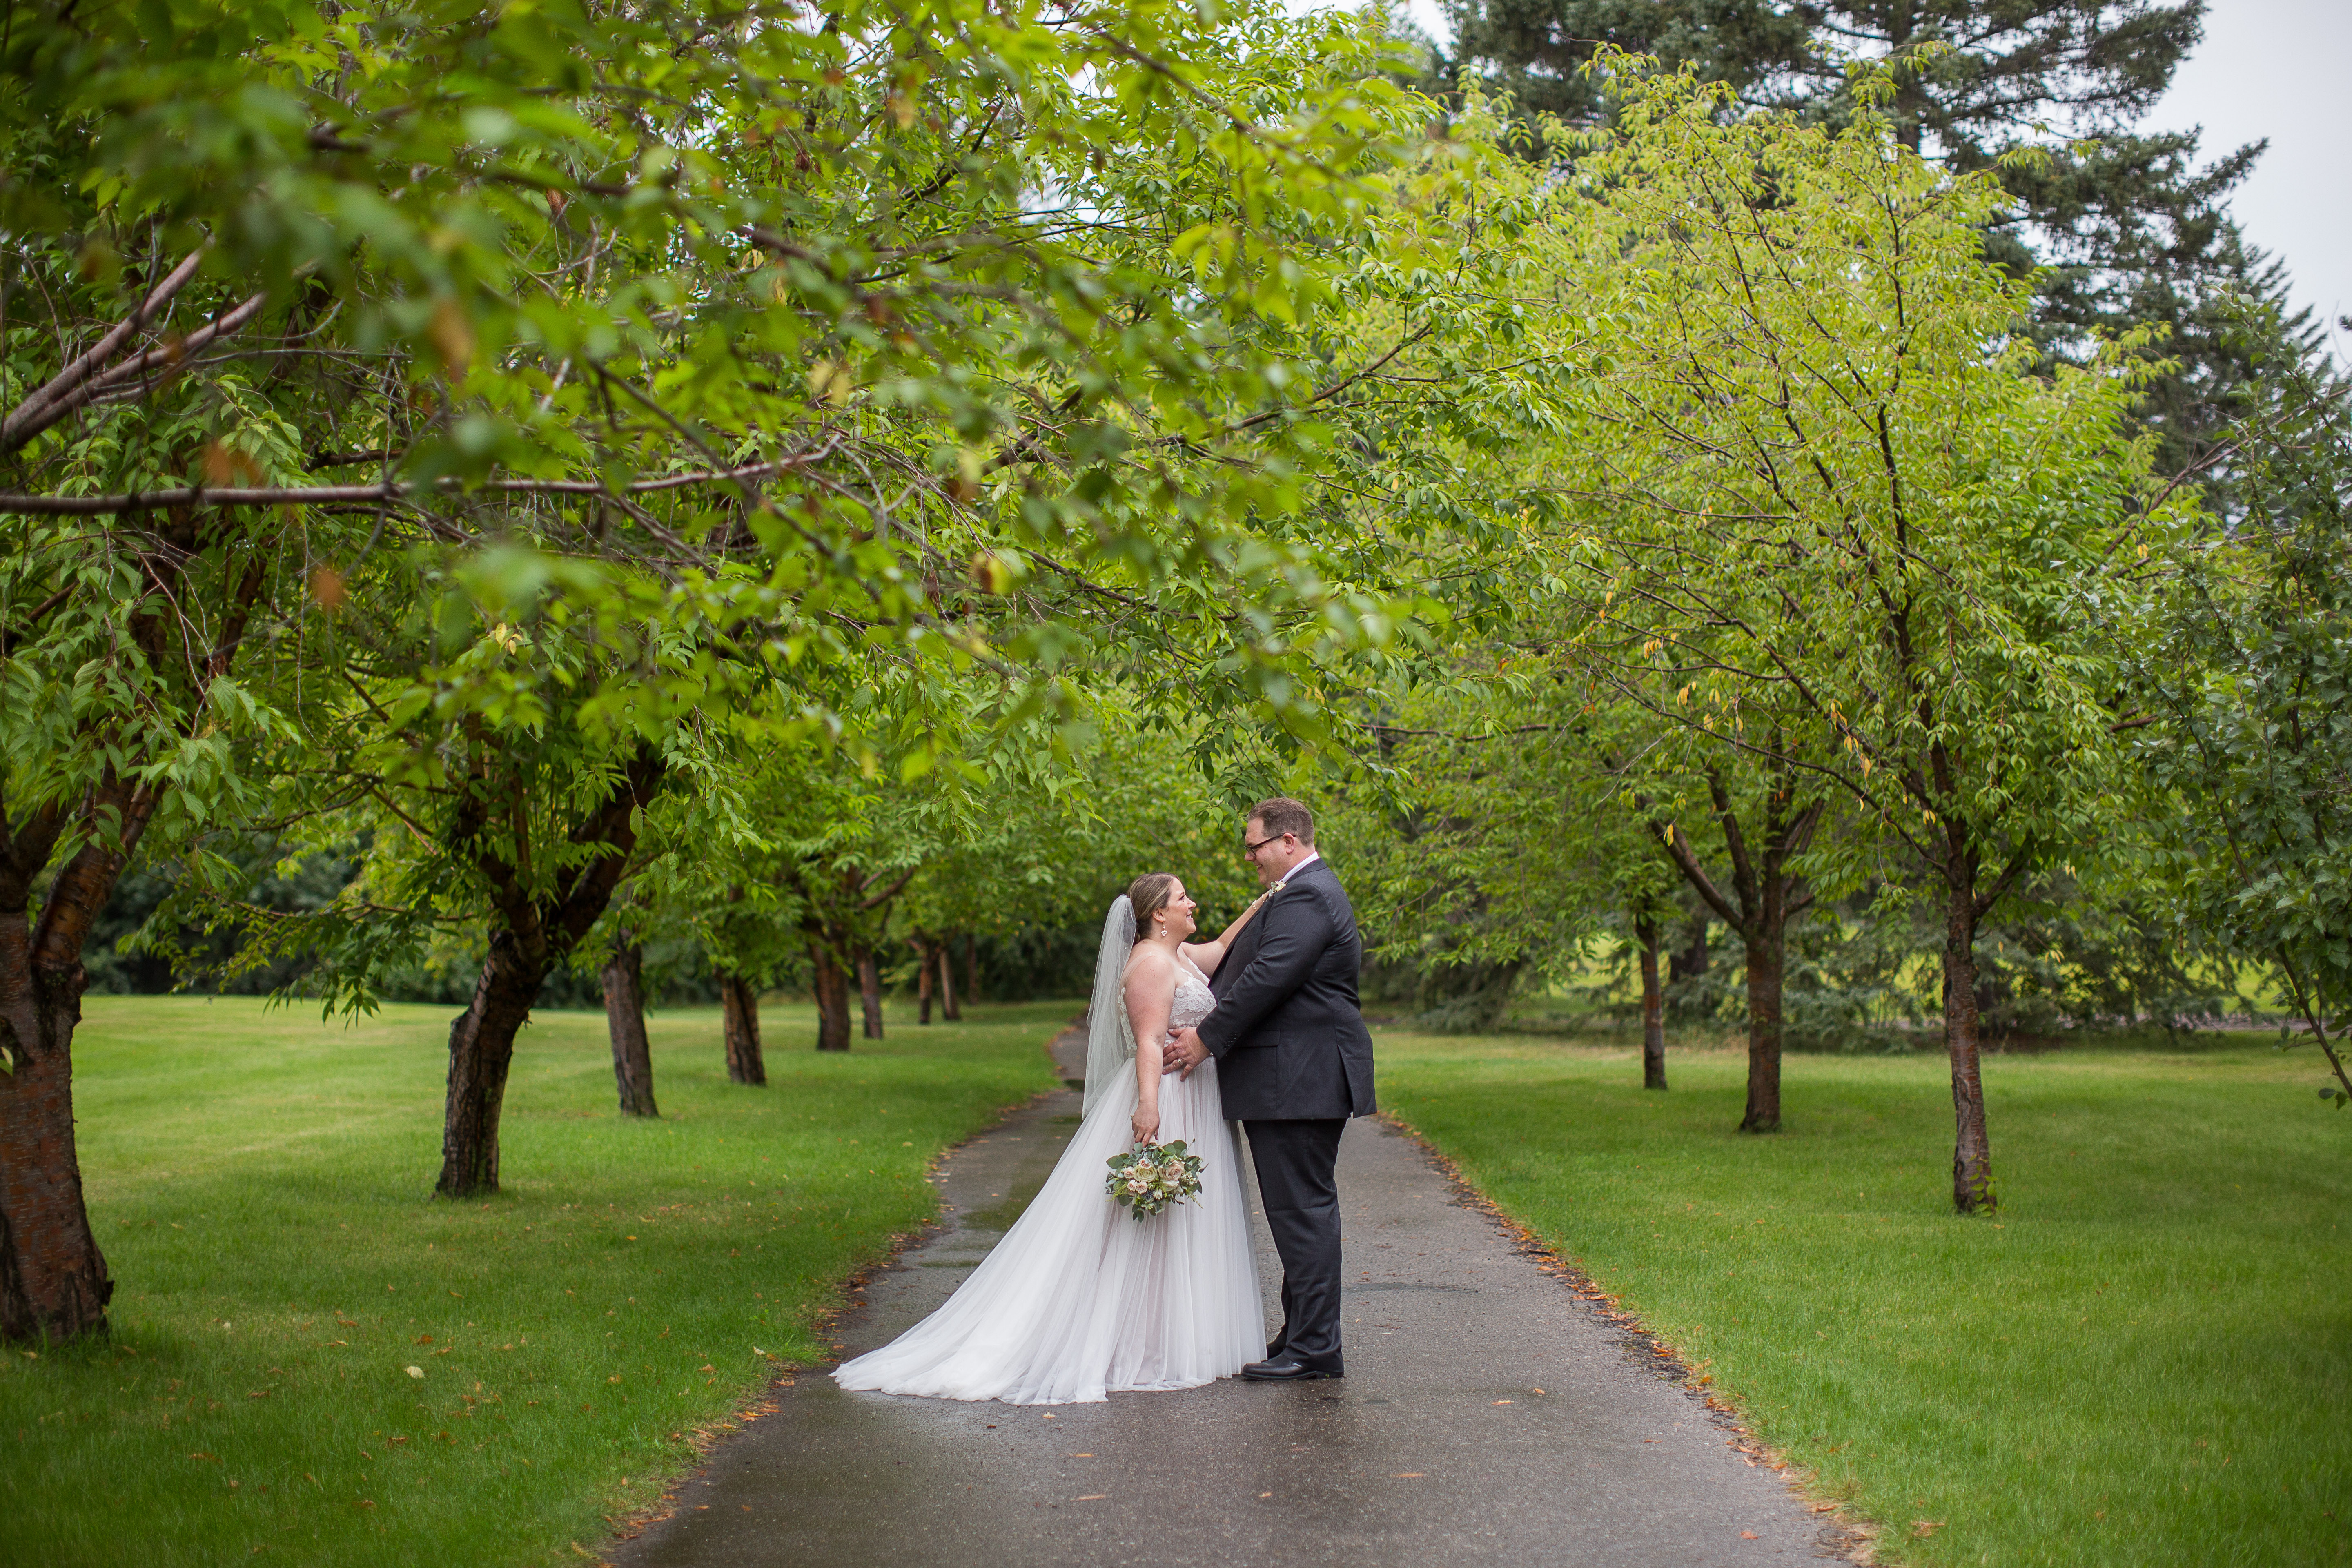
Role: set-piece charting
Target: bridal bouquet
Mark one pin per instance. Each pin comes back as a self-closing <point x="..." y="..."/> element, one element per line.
<point x="1147" y="1179"/>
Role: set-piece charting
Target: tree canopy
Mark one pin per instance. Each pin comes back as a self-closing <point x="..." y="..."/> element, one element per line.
<point x="844" y="486"/>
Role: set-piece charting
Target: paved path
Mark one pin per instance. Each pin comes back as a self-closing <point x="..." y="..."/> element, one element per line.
<point x="1488" y="1416"/>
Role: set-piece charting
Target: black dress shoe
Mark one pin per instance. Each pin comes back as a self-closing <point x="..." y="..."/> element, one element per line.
<point x="1286" y="1370"/>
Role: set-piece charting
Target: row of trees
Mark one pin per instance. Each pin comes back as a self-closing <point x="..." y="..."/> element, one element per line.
<point x="822" y="480"/>
<point x="547" y="451"/>
<point x="1850" y="614"/>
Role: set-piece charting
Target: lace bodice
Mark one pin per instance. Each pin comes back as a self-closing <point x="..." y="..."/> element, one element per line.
<point x="1192" y="1002"/>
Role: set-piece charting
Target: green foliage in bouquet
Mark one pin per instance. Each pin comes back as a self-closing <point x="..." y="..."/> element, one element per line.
<point x="1152" y="1177"/>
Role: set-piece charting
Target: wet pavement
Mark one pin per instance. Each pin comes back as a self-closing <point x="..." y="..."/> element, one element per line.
<point x="1488" y="1416"/>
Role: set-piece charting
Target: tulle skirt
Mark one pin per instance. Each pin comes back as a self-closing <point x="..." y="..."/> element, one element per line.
<point x="1079" y="1300"/>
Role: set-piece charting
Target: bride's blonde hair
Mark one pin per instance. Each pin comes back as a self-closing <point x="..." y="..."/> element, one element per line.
<point x="1148" y="895"/>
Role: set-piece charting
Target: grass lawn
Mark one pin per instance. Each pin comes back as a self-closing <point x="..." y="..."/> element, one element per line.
<point x="2147" y="1359"/>
<point x="260" y="1182"/>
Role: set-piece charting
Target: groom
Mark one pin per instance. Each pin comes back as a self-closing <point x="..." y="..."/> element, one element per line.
<point x="1294" y="1062"/>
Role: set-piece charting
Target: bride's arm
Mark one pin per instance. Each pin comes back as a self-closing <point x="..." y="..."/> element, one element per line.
<point x="1151" y="996"/>
<point x="1209" y="954"/>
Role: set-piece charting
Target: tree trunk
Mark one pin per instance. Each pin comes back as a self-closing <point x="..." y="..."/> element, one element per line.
<point x="1765" y="958"/>
<point x="869" y="991"/>
<point x="1653" y="1003"/>
<point x="529" y="937"/>
<point x="625" y="1020"/>
<point x="481" y="1049"/>
<point x="971" y="968"/>
<point x="1972" y="1145"/>
<point x="53" y="1284"/>
<point x="927" y="958"/>
<point x="740" y="1004"/>
<point x="832" y="999"/>
<point x="53" y="1280"/>
<point x="1762" y="898"/>
<point x="950" y="1010"/>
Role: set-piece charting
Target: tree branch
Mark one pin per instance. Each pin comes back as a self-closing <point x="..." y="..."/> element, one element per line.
<point x="396" y="490"/>
<point x="1677" y="847"/>
<point x="40" y="410"/>
<point x="890" y="893"/>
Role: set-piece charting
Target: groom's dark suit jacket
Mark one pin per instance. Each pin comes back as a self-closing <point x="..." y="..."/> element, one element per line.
<point x="1289" y="1042"/>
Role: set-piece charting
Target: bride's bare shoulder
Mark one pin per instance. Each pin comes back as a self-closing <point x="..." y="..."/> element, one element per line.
<point x="1150" y="962"/>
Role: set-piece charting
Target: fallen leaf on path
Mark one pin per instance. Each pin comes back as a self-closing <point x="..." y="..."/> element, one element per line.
<point x="1094" y="1497"/>
<point x="1502" y="1402"/>
<point x="1748" y="1535"/>
<point x="1400" y="1476"/>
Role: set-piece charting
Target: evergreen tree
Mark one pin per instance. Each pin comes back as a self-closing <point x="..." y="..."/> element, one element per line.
<point x="2130" y="229"/>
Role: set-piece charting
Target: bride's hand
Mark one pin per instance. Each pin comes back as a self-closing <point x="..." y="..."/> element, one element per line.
<point x="1145" y="1123"/>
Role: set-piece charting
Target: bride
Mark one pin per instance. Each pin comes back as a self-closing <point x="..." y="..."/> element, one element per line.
<point x="1080" y="1299"/>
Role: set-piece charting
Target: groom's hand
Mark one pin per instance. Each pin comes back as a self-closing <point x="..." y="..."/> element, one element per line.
<point x="1185" y="1051"/>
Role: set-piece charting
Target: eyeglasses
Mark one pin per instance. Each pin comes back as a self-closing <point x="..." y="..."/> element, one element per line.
<point x="1250" y="850"/>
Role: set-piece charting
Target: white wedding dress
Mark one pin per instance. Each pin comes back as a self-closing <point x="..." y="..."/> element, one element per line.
<point x="1079" y="1300"/>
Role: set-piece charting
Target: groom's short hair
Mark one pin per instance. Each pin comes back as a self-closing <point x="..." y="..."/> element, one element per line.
<point x="1283" y="815"/>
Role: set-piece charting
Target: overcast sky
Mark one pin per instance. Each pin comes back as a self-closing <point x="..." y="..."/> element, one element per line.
<point x="2276" y="68"/>
<point x="2267" y="68"/>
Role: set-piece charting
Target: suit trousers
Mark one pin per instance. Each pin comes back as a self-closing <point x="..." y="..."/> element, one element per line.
<point x="1298" y="1181"/>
